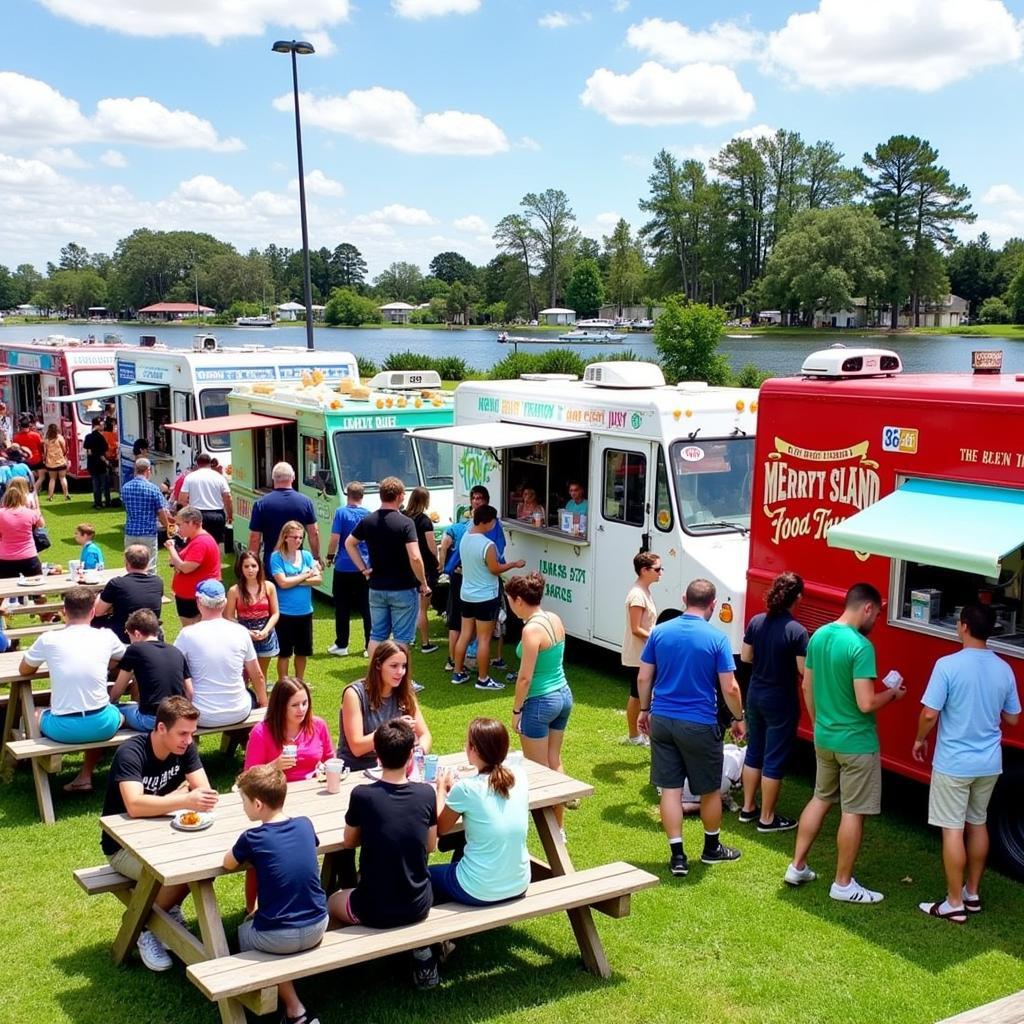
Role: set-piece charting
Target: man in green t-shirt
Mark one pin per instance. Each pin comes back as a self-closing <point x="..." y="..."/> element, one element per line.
<point x="839" y="690"/>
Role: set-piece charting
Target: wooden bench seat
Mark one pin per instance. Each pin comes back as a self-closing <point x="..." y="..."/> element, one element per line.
<point x="606" y="889"/>
<point x="33" y="630"/>
<point x="100" y="879"/>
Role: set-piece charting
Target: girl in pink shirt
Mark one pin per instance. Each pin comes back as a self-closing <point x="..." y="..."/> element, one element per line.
<point x="290" y="721"/>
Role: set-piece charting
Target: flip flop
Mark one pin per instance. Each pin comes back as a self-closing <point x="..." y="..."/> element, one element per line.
<point x="78" y="787"/>
<point x="953" y="916"/>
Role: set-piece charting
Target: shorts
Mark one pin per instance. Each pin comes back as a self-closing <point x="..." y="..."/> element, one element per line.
<point x="544" y="713"/>
<point x="10" y="570"/>
<point x="393" y="613"/>
<point x="126" y="863"/>
<point x="56" y="469"/>
<point x="629" y="674"/>
<point x="268" y="647"/>
<point x="92" y="727"/>
<point x="444" y="880"/>
<point x="453" y="611"/>
<point x="136" y="719"/>
<point x="854" y="781"/>
<point x="686" y="751"/>
<point x="954" y="801"/>
<point x="771" y="733"/>
<point x="482" y="611"/>
<point x="280" y="941"/>
<point x="295" y="635"/>
<point x="187" y="607"/>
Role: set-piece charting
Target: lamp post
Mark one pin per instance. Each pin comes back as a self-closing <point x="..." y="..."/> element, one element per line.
<point x="295" y="48"/>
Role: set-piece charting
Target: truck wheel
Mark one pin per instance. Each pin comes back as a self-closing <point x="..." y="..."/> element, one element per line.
<point x="1006" y="823"/>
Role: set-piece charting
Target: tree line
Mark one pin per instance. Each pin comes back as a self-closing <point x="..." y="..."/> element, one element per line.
<point x="775" y="222"/>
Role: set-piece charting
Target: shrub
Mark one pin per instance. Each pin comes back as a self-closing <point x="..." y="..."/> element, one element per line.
<point x="367" y="367"/>
<point x="514" y="365"/>
<point x="451" y="367"/>
<point x="686" y="337"/>
<point x="994" y="311"/>
<point x="561" y="360"/>
<point x="349" y="308"/>
<point x="407" y="360"/>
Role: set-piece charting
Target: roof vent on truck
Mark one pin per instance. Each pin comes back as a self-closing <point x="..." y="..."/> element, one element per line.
<point x="405" y="380"/>
<point x="625" y="374"/>
<point x="839" y="361"/>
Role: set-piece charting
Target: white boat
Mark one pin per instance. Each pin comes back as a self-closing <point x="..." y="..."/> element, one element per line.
<point x="596" y="323"/>
<point x="642" y="325"/>
<point x="739" y="336"/>
<point x="592" y="337"/>
<point x="263" y="320"/>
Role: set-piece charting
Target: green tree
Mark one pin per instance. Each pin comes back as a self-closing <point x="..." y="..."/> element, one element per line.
<point x="585" y="293"/>
<point x="459" y="303"/>
<point x="9" y="292"/>
<point x="972" y="272"/>
<point x="348" y="268"/>
<point x="347" y="307"/>
<point x="994" y="311"/>
<point x="627" y="269"/>
<point x="27" y="280"/>
<point x="686" y="338"/>
<point x="150" y="263"/>
<point x="512" y="235"/>
<point x="826" y="181"/>
<point x="555" y="237"/>
<point x="451" y="267"/>
<point x="399" y="283"/>
<point x="1014" y="296"/>
<point x="745" y="180"/>
<point x="74" y="257"/>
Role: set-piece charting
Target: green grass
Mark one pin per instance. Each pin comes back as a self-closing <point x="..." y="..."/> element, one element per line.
<point x="725" y="944"/>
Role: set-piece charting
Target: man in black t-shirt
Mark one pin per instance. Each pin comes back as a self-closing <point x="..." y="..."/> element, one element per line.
<point x="151" y="669"/>
<point x="95" y="445"/>
<point x="145" y="781"/>
<point x="398" y="576"/>
<point x="123" y="595"/>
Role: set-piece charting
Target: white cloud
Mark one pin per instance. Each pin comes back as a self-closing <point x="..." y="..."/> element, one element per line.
<point x="61" y="157"/>
<point x="618" y="6"/>
<point x="526" y="142"/>
<point x="213" y="20"/>
<point x="608" y="219"/>
<point x="33" y="111"/>
<point x="912" y="44"/>
<point x="113" y="158"/>
<point x="206" y="189"/>
<point x="652" y="95"/>
<point x="390" y="118"/>
<point x="28" y="174"/>
<point x="322" y="43"/>
<point x="396" y="213"/>
<point x="704" y="151"/>
<point x="556" y="19"/>
<point x="724" y="42"/>
<point x="417" y="10"/>
<point x="473" y="224"/>
<point x="1002" y="195"/>
<point x="318" y="184"/>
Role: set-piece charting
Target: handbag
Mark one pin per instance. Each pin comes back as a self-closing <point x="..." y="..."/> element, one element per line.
<point x="41" y="538"/>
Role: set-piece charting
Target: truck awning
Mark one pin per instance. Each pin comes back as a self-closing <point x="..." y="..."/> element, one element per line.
<point x="227" y="424"/>
<point x="111" y="392"/>
<point x="967" y="527"/>
<point x="495" y="436"/>
<point x="19" y="371"/>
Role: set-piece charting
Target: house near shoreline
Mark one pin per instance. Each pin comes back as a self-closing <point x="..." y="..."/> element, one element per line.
<point x="397" y="312"/>
<point x="630" y="313"/>
<point x="557" y="316"/>
<point x="949" y="311"/>
<point x="174" y="310"/>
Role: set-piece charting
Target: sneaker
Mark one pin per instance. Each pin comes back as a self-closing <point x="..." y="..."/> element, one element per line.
<point x="449" y="665"/>
<point x="341" y="652"/>
<point x="425" y="973"/>
<point x="498" y="663"/>
<point x="777" y="824"/>
<point x="428" y="648"/>
<point x="460" y="677"/>
<point x="679" y="865"/>
<point x="511" y="677"/>
<point x="489" y="684"/>
<point x="635" y="741"/>
<point x="798" y="876"/>
<point x="304" y="1018"/>
<point x="417" y="687"/>
<point x="720" y="855"/>
<point x="749" y="817"/>
<point x="854" y="893"/>
<point x="178" y="915"/>
<point x="153" y="954"/>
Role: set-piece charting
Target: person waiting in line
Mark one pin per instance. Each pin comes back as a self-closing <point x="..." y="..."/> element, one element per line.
<point x="55" y="461"/>
<point x="296" y="572"/>
<point x="776" y="645"/>
<point x="529" y="509"/>
<point x="416" y="510"/>
<point x="386" y="693"/>
<point x="349" y="587"/>
<point x="96" y="462"/>
<point x="18" y="556"/>
<point x="490" y="863"/>
<point x="394" y="822"/>
<point x="252" y="603"/>
<point x="641" y="616"/>
<point x="29" y="438"/>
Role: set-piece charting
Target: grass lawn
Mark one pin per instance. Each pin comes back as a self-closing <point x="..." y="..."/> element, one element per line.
<point x="730" y="943"/>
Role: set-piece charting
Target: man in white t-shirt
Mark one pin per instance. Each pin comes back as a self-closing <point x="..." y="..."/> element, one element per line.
<point x="79" y="658"/>
<point x="207" y="490"/>
<point x="220" y="656"/>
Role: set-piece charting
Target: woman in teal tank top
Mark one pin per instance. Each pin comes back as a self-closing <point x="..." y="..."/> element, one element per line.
<point x="543" y="700"/>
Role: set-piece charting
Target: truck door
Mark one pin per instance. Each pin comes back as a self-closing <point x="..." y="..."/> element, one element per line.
<point x="185" y="447"/>
<point x="620" y="523"/>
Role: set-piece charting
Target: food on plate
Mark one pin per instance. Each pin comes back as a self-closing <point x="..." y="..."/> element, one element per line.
<point x="190" y="818"/>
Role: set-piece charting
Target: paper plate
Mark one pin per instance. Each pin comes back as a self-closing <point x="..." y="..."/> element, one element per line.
<point x="205" y="821"/>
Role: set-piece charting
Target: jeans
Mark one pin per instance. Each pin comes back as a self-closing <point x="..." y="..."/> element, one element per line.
<point x="393" y="613"/>
<point x="100" y="488"/>
<point x="351" y="593"/>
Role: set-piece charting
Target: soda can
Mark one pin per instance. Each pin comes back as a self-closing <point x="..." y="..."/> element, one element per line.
<point x="430" y="768"/>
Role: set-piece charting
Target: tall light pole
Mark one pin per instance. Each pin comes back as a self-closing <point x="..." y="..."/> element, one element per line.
<point x="295" y="48"/>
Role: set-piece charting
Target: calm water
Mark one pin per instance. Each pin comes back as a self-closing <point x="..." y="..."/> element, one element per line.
<point x="775" y="353"/>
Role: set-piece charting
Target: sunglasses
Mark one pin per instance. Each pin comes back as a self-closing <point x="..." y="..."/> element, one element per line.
<point x="656" y="568"/>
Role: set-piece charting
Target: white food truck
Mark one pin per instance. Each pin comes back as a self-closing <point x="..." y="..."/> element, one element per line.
<point x="156" y="385"/>
<point x="664" y="468"/>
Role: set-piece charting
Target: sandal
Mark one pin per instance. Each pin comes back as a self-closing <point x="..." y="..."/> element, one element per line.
<point x="972" y="903"/>
<point x="957" y="916"/>
<point x="78" y="787"/>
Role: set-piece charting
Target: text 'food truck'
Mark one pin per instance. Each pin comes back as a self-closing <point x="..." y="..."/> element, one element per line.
<point x="337" y="433"/>
<point x="157" y="386"/>
<point x="915" y="484"/>
<point x="662" y="468"/>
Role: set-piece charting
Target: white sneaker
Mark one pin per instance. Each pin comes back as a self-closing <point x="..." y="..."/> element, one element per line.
<point x="341" y="652"/>
<point x="854" y="893"/>
<point x="417" y="687"/>
<point x="798" y="876"/>
<point x="153" y="954"/>
<point x="178" y="915"/>
<point x="635" y="741"/>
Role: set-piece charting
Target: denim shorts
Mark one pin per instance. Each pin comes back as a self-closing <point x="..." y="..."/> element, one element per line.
<point x="135" y="719"/>
<point x="444" y="880"/>
<point x="771" y="733"/>
<point x="541" y="714"/>
<point x="92" y="727"/>
<point x="268" y="647"/>
<point x="393" y="613"/>
<point x="280" y="941"/>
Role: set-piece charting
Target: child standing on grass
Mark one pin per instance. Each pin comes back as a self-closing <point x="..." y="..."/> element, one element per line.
<point x="292" y="914"/>
<point x="91" y="556"/>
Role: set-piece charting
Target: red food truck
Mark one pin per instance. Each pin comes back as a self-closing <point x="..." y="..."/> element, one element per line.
<point x="914" y="483"/>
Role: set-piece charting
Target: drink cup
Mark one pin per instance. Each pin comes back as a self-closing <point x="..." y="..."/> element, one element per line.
<point x="513" y="758"/>
<point x="333" y="768"/>
<point x="892" y="679"/>
<point x="290" y="750"/>
<point x="430" y="768"/>
<point x="74" y="567"/>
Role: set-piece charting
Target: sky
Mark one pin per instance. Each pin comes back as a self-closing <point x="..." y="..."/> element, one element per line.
<point x="426" y="121"/>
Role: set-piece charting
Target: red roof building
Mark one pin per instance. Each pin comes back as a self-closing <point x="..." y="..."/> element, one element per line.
<point x="174" y="310"/>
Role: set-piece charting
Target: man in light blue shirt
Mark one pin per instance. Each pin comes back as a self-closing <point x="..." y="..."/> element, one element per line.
<point x="577" y="502"/>
<point x="970" y="694"/>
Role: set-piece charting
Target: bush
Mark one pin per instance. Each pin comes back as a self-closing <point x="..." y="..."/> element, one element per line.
<point x="749" y="376"/>
<point x="367" y="367"/>
<point x="451" y="367"/>
<point x="994" y="311"/>
<point x="514" y="365"/>
<point x="561" y="360"/>
<point x="623" y="356"/>
<point x="686" y="337"/>
<point x="350" y="309"/>
<point x="407" y="360"/>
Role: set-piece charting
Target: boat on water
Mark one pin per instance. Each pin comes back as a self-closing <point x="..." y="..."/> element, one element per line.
<point x="738" y="336"/>
<point x="263" y="320"/>
<point x="592" y="336"/>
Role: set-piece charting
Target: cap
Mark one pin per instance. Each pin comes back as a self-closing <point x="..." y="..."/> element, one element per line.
<point x="210" y="588"/>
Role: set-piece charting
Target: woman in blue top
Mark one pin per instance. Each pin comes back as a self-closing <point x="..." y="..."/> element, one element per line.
<point x="490" y="863"/>
<point x="295" y="573"/>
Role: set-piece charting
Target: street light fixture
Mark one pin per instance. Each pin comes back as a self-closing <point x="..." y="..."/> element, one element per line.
<point x="302" y="49"/>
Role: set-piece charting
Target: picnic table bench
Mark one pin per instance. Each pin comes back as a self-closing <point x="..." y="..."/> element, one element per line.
<point x="249" y="980"/>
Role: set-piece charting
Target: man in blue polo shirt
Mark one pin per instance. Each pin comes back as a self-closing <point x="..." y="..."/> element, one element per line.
<point x="686" y="661"/>
<point x="280" y="506"/>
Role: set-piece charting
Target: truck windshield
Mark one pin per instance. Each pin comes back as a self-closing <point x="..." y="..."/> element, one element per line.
<point x="214" y="402"/>
<point x="367" y="456"/>
<point x="435" y="461"/>
<point x="90" y="380"/>
<point x="713" y="482"/>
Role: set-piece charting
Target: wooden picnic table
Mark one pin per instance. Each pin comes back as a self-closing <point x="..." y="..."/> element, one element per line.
<point x="56" y="584"/>
<point x="170" y="857"/>
<point x="20" y="700"/>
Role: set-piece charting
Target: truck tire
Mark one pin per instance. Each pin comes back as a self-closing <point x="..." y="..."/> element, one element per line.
<point x="1006" y="823"/>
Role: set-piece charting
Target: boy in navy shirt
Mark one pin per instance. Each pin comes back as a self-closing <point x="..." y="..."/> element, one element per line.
<point x="292" y="913"/>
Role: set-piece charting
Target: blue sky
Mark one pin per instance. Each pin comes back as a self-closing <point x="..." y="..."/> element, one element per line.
<point x="425" y="121"/>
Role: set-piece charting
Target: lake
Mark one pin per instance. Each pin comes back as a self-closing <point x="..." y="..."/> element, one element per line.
<point x="780" y="354"/>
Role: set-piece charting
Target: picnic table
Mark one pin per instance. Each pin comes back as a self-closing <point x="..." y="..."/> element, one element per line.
<point x="170" y="857"/>
<point x="54" y="584"/>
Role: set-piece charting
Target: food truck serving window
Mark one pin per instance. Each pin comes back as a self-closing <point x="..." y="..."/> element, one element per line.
<point x="90" y="380"/>
<point x="367" y="456"/>
<point x="538" y="481"/>
<point x="713" y="483"/>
